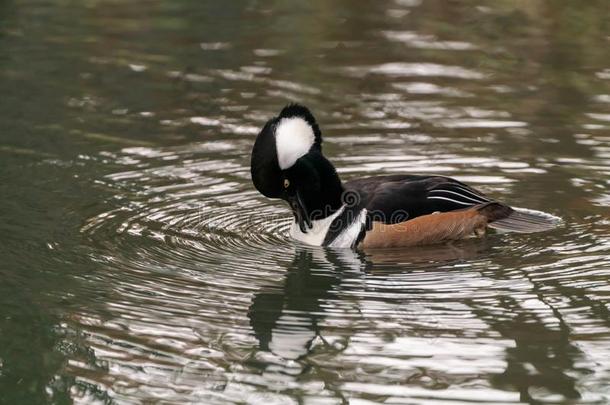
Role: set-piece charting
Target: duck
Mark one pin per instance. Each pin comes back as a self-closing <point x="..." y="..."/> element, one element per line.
<point x="387" y="211"/>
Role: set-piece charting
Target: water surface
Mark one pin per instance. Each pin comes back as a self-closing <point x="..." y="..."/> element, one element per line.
<point x="139" y="265"/>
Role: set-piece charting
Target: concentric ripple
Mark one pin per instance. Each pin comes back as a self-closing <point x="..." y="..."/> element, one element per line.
<point x="206" y="284"/>
<point x="139" y="265"/>
<point x="205" y="218"/>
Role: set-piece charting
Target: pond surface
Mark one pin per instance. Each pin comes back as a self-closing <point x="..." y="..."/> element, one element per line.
<point x="139" y="265"/>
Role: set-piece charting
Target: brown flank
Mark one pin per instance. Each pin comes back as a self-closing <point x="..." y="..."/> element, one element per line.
<point x="435" y="228"/>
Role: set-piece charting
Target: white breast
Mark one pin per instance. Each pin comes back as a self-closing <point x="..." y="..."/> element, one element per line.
<point x="317" y="233"/>
<point x="349" y="235"/>
<point x="314" y="236"/>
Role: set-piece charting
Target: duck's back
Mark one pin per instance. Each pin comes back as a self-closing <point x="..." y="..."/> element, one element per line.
<point x="397" y="198"/>
<point x="406" y="210"/>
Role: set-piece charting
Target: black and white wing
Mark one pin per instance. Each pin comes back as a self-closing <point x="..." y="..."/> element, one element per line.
<point x="454" y="195"/>
<point x="394" y="199"/>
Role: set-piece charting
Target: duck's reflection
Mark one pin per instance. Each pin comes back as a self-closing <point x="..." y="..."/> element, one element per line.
<point x="441" y="254"/>
<point x="286" y="322"/>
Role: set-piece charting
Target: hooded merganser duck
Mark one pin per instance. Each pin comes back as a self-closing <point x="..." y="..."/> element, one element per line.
<point x="373" y="212"/>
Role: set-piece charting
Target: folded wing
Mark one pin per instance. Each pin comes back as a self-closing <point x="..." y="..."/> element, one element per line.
<point x="395" y="199"/>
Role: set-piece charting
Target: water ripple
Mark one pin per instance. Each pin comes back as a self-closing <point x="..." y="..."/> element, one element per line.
<point x="142" y="267"/>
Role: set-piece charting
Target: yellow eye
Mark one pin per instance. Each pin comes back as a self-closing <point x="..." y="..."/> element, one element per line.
<point x="286" y="183"/>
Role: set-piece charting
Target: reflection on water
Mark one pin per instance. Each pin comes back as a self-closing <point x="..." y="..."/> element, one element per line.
<point x="140" y="265"/>
<point x="285" y="322"/>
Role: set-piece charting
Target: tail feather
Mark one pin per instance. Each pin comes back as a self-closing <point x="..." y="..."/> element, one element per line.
<point x="524" y="220"/>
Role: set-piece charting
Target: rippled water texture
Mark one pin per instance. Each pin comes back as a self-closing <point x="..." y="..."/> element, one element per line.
<point x="139" y="265"/>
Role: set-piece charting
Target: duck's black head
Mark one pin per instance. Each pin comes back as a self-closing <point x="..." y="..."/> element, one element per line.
<point x="287" y="163"/>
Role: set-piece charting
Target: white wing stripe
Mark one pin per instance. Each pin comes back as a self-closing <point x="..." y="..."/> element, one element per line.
<point x="461" y="195"/>
<point x="472" y="193"/>
<point x="448" y="199"/>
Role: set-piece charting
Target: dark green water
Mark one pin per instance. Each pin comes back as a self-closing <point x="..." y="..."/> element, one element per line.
<point x="138" y="265"/>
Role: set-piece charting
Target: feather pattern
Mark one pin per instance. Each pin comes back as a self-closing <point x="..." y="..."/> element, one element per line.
<point x="394" y="199"/>
<point x="524" y="220"/>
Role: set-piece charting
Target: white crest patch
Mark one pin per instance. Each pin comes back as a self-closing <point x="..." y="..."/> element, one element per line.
<point x="293" y="139"/>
